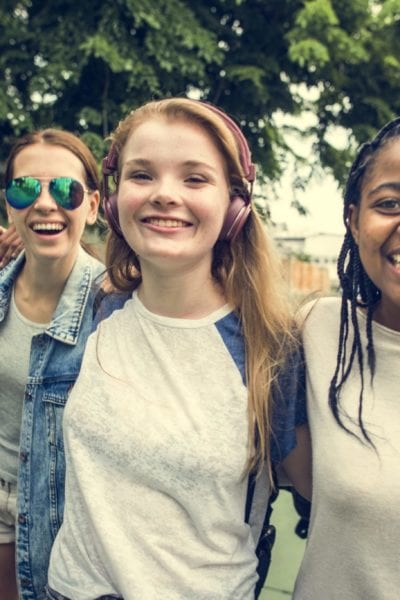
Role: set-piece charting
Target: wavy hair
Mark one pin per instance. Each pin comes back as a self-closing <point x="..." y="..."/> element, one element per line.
<point x="358" y="290"/>
<point x="247" y="269"/>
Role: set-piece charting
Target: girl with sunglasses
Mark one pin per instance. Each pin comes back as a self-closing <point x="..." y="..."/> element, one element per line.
<point x="46" y="301"/>
<point x="352" y="347"/>
<point x="190" y="385"/>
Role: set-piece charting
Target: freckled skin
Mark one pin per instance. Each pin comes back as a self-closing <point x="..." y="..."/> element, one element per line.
<point x="172" y="173"/>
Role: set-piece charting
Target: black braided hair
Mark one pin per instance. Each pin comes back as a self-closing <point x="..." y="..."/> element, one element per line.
<point x="357" y="287"/>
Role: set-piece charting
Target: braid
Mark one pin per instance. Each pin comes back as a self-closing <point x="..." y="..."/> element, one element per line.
<point x="357" y="287"/>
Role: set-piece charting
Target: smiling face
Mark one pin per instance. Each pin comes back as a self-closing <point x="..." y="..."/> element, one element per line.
<point x="48" y="231"/>
<point x="172" y="195"/>
<point x="375" y="225"/>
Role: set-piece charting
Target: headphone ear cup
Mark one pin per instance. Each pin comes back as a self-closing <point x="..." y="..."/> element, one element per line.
<point x="237" y="215"/>
<point x="111" y="212"/>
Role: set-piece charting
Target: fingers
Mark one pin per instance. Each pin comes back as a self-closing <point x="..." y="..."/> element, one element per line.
<point x="10" y="245"/>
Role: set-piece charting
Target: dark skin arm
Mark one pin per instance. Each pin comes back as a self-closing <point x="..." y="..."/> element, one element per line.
<point x="297" y="466"/>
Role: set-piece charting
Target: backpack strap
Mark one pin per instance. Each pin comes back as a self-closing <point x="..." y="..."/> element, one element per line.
<point x="268" y="532"/>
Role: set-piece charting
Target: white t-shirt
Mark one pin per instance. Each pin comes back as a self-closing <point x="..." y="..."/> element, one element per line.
<point x="156" y="439"/>
<point x="353" y="550"/>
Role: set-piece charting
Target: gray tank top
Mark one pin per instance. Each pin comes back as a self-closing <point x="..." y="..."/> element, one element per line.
<point x="16" y="334"/>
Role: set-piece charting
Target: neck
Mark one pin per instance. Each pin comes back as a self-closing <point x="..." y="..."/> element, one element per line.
<point x="184" y="295"/>
<point x="387" y="314"/>
<point x="38" y="289"/>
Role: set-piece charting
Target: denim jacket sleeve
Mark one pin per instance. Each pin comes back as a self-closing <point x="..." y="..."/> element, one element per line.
<point x="56" y="357"/>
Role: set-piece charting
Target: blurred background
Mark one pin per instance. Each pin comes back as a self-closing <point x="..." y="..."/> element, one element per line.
<point x="307" y="80"/>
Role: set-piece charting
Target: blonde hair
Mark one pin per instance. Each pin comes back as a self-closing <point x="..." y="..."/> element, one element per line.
<point x="247" y="269"/>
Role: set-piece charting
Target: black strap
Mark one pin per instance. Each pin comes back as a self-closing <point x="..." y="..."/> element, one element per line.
<point x="303" y="508"/>
<point x="251" y="486"/>
<point x="267" y="536"/>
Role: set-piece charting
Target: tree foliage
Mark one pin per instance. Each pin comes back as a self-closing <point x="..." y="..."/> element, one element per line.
<point x="82" y="65"/>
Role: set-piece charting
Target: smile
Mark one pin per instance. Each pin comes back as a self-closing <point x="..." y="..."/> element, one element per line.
<point x="166" y="222"/>
<point x="48" y="227"/>
<point x="395" y="260"/>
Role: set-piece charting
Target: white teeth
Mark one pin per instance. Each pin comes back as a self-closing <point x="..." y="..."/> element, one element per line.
<point x="167" y="222"/>
<point x="47" y="227"/>
<point x="395" y="258"/>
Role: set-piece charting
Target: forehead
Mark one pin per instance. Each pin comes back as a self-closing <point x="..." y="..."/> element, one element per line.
<point x="47" y="160"/>
<point x="180" y="138"/>
<point x="385" y="165"/>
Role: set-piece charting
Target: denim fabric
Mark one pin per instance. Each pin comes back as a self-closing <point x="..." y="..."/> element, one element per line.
<point x="56" y="357"/>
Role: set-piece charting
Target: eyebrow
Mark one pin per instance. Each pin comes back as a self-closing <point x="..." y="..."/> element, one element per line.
<point x="140" y="162"/>
<point x="191" y="164"/>
<point x="393" y="185"/>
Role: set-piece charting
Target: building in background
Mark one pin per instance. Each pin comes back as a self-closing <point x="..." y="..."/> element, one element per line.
<point x="309" y="259"/>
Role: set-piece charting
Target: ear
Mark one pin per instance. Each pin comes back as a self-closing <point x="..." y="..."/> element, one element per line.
<point x="94" y="201"/>
<point x="353" y="221"/>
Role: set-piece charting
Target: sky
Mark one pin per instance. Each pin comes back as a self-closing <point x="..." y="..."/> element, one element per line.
<point x="322" y="199"/>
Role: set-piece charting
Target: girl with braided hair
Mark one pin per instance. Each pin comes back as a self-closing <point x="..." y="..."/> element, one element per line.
<point x="353" y="396"/>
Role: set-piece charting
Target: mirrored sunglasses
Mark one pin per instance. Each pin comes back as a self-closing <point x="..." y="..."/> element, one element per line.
<point x="23" y="191"/>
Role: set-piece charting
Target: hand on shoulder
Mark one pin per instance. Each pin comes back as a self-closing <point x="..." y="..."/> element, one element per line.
<point x="10" y="245"/>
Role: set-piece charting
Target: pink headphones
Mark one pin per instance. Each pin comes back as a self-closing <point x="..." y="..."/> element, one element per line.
<point x="239" y="208"/>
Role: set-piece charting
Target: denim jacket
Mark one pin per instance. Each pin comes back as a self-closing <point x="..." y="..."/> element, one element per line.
<point x="55" y="360"/>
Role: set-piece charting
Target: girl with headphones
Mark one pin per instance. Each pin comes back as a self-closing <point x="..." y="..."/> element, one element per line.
<point x="191" y="380"/>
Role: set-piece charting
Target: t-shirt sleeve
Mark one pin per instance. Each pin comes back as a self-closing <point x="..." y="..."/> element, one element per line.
<point x="105" y="304"/>
<point x="289" y="406"/>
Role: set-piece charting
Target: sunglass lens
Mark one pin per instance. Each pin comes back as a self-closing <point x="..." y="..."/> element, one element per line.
<point x="22" y="192"/>
<point x="67" y="192"/>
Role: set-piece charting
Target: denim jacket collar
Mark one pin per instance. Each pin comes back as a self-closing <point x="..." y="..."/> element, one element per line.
<point x="66" y="320"/>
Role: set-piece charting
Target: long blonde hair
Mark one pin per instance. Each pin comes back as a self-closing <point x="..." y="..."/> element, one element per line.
<point x="247" y="269"/>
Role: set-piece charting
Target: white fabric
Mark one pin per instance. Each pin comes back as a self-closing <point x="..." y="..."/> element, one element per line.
<point x="156" y="434"/>
<point x="16" y="334"/>
<point x="8" y="511"/>
<point x="353" y="548"/>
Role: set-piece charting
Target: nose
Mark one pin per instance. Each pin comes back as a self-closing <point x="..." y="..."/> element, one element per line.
<point x="166" y="193"/>
<point x="45" y="201"/>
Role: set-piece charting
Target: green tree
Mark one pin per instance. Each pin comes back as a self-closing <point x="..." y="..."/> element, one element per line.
<point x="83" y="65"/>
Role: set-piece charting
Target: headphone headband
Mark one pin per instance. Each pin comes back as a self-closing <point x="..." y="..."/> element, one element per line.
<point x="248" y="166"/>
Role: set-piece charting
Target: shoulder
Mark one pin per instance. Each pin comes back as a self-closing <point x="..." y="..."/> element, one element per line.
<point x="86" y="272"/>
<point x="289" y="404"/>
<point x="107" y="303"/>
<point x="86" y="260"/>
<point x="12" y="269"/>
<point x="230" y="330"/>
<point x="319" y="312"/>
